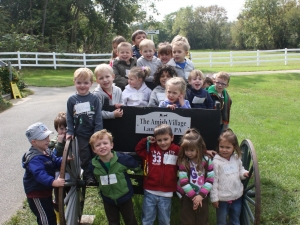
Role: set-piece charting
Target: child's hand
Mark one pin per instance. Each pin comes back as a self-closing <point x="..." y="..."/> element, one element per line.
<point x="215" y="204"/>
<point x="151" y="139"/>
<point x="246" y="174"/>
<point x="172" y="106"/>
<point x="211" y="153"/>
<point x="70" y="158"/>
<point x="118" y="113"/>
<point x="59" y="182"/>
<point x="197" y="200"/>
<point x="60" y="138"/>
<point x="118" y="105"/>
<point x="181" y="100"/>
<point x="69" y="136"/>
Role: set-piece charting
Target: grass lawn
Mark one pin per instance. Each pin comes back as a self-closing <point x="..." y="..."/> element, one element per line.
<point x="266" y="110"/>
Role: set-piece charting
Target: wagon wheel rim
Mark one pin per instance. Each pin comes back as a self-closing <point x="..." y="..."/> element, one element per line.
<point x="71" y="204"/>
<point x="251" y="207"/>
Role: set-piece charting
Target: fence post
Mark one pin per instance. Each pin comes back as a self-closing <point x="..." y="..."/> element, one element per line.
<point x="230" y="58"/>
<point x="54" y="60"/>
<point x="210" y="59"/>
<point x="84" y="60"/>
<point x="285" y="56"/>
<point x="257" y="57"/>
<point x="36" y="59"/>
<point x="19" y="60"/>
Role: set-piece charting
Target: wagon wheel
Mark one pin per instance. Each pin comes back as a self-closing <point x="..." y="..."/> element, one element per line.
<point x="70" y="204"/>
<point x="251" y="198"/>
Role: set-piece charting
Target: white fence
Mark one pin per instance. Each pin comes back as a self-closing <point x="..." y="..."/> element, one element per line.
<point x="39" y="59"/>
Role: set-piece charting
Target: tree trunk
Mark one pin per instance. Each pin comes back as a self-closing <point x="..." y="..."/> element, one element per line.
<point x="44" y="21"/>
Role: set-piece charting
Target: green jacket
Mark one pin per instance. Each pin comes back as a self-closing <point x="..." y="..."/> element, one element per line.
<point x="114" y="183"/>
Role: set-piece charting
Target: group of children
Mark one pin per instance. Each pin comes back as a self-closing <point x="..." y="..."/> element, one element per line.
<point x="186" y="169"/>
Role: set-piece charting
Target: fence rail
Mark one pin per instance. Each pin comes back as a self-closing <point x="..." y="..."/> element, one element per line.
<point x="42" y="59"/>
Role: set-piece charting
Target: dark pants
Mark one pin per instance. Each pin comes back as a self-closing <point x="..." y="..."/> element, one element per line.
<point x="43" y="210"/>
<point x="86" y="155"/>
<point x="188" y="216"/>
<point x="113" y="213"/>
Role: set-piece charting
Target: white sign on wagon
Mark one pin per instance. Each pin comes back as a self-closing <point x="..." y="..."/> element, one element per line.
<point x="145" y="124"/>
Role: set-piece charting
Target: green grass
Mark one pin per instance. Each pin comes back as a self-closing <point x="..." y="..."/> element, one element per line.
<point x="265" y="110"/>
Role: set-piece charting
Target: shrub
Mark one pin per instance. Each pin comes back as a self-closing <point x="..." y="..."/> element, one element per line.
<point x="5" y="82"/>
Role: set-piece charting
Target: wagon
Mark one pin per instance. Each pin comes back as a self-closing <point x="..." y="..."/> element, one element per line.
<point x="139" y="122"/>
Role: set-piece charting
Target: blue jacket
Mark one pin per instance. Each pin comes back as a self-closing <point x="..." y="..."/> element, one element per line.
<point x="202" y="100"/>
<point x="39" y="170"/>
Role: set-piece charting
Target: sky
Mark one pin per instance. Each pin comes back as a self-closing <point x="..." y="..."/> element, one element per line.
<point x="233" y="7"/>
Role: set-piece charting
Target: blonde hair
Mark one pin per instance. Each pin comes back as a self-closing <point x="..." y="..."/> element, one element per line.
<point x="124" y="44"/>
<point x="102" y="68"/>
<point x="223" y="75"/>
<point x="146" y="43"/>
<point x="179" y="81"/>
<point x="140" y="72"/>
<point x="99" y="135"/>
<point x="182" y="44"/>
<point x="179" y="38"/>
<point x="164" y="48"/>
<point x="191" y="139"/>
<point x="195" y="74"/>
<point x="83" y="74"/>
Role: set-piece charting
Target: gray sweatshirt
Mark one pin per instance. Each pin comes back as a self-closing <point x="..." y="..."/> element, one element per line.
<point x="151" y="64"/>
<point x="157" y="95"/>
<point x="182" y="72"/>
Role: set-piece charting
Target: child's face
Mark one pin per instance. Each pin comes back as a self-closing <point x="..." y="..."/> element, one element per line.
<point x="220" y="85"/>
<point x="134" y="82"/>
<point x="125" y="53"/>
<point x="173" y="93"/>
<point x="41" y="145"/>
<point x="105" y="79"/>
<point x="191" y="153"/>
<point x="83" y="86"/>
<point x="179" y="53"/>
<point x="165" y="58"/>
<point x="163" y="78"/>
<point x="102" y="147"/>
<point x="61" y="129"/>
<point x="225" y="149"/>
<point x="164" y="141"/>
<point x="114" y="47"/>
<point x="196" y="82"/>
<point x="147" y="53"/>
<point x="138" y="39"/>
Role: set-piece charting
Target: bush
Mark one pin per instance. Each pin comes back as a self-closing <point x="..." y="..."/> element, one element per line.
<point x="5" y="82"/>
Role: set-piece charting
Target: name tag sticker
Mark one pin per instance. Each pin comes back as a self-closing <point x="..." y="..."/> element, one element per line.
<point x="161" y="96"/>
<point x="127" y="72"/>
<point x="170" y="159"/>
<point x="231" y="168"/>
<point x="197" y="100"/>
<point x="82" y="107"/>
<point x="106" y="180"/>
<point x="137" y="96"/>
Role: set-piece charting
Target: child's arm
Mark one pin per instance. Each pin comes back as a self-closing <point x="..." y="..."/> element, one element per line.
<point x="184" y="182"/>
<point x="153" y="101"/>
<point x="209" y="180"/>
<point x="209" y="102"/>
<point x="141" y="148"/>
<point x="70" y="119"/>
<point x="214" y="193"/>
<point x="243" y="173"/>
<point x="98" y="115"/>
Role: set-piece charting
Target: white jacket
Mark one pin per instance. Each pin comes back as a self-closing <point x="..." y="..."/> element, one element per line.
<point x="134" y="97"/>
<point x="227" y="184"/>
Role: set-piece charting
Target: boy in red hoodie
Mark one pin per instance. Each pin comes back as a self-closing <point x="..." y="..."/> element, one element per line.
<point x="160" y="174"/>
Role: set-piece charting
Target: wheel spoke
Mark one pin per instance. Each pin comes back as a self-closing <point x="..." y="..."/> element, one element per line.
<point x="250" y="200"/>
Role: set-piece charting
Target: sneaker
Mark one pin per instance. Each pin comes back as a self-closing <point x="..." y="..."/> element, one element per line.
<point x="90" y="181"/>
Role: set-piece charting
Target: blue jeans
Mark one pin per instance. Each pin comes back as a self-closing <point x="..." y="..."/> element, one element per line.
<point x="153" y="204"/>
<point x="233" y="210"/>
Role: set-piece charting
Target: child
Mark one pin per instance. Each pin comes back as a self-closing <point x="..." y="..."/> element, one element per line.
<point x="164" y="52"/>
<point x="106" y="90"/>
<point x="115" y="42"/>
<point x="147" y="50"/>
<point x="60" y="125"/>
<point x="137" y="93"/>
<point x="162" y="74"/>
<point x="175" y="91"/>
<point x="39" y="178"/>
<point x="220" y="96"/>
<point x="183" y="66"/>
<point x="122" y="64"/>
<point x="195" y="179"/>
<point x="136" y="38"/>
<point x="227" y="188"/>
<point x="110" y="169"/>
<point x="84" y="118"/>
<point x="195" y="94"/>
<point x="207" y="82"/>
<point x="182" y="38"/>
<point x="160" y="174"/>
